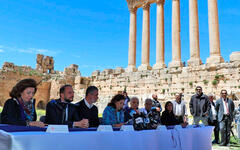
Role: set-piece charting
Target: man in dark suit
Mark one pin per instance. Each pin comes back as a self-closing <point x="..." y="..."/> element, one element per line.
<point x="199" y="106"/>
<point x="61" y="111"/>
<point x="86" y="107"/>
<point x="212" y="120"/>
<point x="225" y="115"/>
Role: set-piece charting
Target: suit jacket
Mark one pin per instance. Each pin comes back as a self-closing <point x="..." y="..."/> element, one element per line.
<point x="210" y="116"/>
<point x="183" y="107"/>
<point x="220" y="109"/>
<point x="56" y="113"/>
<point x="90" y="114"/>
<point x="204" y="105"/>
<point x="11" y="113"/>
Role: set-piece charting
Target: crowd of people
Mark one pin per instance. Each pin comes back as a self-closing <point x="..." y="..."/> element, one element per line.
<point x="20" y="110"/>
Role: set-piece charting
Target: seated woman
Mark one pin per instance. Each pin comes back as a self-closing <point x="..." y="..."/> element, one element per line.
<point x="113" y="114"/>
<point x="20" y="108"/>
<point x="128" y="114"/>
<point x="168" y="118"/>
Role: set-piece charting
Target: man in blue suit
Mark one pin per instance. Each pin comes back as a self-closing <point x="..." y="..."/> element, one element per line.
<point x="225" y="114"/>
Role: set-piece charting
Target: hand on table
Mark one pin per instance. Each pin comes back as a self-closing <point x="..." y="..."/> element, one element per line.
<point x="37" y="124"/>
<point x="81" y="124"/>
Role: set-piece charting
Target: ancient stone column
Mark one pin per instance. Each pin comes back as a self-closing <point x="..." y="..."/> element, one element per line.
<point x="214" y="41"/>
<point x="160" y="36"/>
<point x="132" y="41"/>
<point x="194" y="34"/>
<point x="176" y="41"/>
<point x="145" y="39"/>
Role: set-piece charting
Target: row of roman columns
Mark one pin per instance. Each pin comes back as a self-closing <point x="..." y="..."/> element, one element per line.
<point x="215" y="55"/>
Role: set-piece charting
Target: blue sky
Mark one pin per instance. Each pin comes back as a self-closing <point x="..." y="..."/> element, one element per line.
<point x="94" y="34"/>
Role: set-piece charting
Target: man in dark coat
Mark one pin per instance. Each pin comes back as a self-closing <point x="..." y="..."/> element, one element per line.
<point x="199" y="106"/>
<point x="62" y="111"/>
<point x="225" y="115"/>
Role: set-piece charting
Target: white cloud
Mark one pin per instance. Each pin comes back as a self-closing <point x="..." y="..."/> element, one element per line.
<point x="76" y="56"/>
<point x="45" y="51"/>
<point x="29" y="50"/>
<point x="38" y="51"/>
<point x="25" y="51"/>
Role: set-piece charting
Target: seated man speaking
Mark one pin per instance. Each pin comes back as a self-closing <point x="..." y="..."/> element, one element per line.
<point x="62" y="111"/>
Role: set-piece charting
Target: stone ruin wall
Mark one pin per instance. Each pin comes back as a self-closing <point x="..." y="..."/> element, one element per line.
<point x="164" y="82"/>
<point x="168" y="81"/>
<point x="49" y="80"/>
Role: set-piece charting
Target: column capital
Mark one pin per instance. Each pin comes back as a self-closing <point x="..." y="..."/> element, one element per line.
<point x="133" y="10"/>
<point x="146" y="6"/>
<point x="160" y="1"/>
<point x="131" y="5"/>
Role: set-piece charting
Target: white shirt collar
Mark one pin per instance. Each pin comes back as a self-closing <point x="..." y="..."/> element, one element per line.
<point x="88" y="105"/>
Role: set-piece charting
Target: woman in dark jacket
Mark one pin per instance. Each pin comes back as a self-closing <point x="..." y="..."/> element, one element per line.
<point x="168" y="118"/>
<point x="20" y="108"/>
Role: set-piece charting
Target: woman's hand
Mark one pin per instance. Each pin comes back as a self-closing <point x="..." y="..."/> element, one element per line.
<point x="37" y="124"/>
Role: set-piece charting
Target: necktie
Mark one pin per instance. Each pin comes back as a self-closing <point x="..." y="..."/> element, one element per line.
<point x="226" y="106"/>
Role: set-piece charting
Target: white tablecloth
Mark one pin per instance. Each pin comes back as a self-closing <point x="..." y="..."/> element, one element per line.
<point x="180" y="139"/>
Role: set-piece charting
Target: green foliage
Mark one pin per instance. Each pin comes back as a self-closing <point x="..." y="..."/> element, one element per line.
<point x="163" y="91"/>
<point x="217" y="77"/>
<point x="190" y="83"/>
<point x="125" y="88"/>
<point x="40" y="113"/>
<point x="110" y="87"/>
<point x="205" y="82"/>
<point x="225" y="80"/>
<point x="214" y="82"/>
<point x="20" y="71"/>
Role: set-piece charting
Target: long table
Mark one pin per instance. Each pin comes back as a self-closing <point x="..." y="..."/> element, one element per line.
<point x="172" y="139"/>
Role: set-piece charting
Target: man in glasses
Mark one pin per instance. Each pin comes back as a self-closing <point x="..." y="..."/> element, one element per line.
<point x="199" y="106"/>
<point x="225" y="110"/>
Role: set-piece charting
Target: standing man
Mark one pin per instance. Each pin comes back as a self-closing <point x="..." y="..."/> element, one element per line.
<point x="126" y="101"/>
<point x="199" y="106"/>
<point x="212" y="120"/>
<point x="86" y="107"/>
<point x="156" y="103"/>
<point x="225" y="110"/>
<point x="179" y="108"/>
<point x="62" y="111"/>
